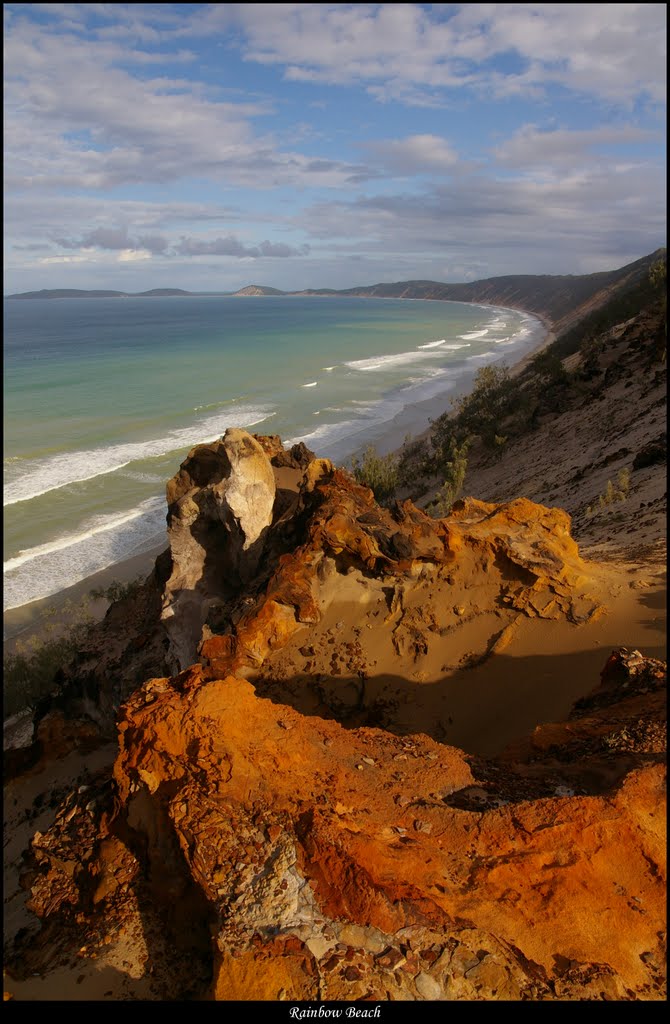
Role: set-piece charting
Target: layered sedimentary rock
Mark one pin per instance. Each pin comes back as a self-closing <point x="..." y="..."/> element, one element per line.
<point x="297" y="856"/>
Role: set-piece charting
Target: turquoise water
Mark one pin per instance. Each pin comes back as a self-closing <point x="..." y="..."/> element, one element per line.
<point x="104" y="398"/>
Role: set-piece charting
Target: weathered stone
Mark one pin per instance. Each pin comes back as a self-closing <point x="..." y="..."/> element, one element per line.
<point x="220" y="506"/>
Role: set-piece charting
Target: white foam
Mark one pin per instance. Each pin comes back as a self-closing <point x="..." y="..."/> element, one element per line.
<point x="58" y="471"/>
<point x="433" y="344"/>
<point x="49" y="568"/>
<point x="474" y="334"/>
<point x="312" y="385"/>
<point x="97" y="525"/>
<point x="388" y="362"/>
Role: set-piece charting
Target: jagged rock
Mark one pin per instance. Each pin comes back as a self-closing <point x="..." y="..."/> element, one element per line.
<point x="220" y="506"/>
<point x="289" y="840"/>
<point x="526" y="546"/>
<point x="210" y="597"/>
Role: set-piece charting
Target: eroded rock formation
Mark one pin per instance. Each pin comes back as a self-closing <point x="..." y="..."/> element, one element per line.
<point x="219" y="509"/>
<point x="293" y="851"/>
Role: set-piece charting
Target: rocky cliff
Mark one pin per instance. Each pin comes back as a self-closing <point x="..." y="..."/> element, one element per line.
<point x="289" y="816"/>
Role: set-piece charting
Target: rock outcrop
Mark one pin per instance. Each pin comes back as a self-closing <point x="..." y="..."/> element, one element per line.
<point x="220" y="506"/>
<point x="335" y="864"/>
<point x="294" y="849"/>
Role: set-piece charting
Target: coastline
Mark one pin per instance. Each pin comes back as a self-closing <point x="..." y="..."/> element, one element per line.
<point x="59" y="611"/>
<point x="415" y="419"/>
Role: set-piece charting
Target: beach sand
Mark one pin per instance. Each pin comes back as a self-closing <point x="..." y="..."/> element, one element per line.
<point x="458" y="692"/>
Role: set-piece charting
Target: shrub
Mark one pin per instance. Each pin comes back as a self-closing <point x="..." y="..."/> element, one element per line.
<point x="116" y="590"/>
<point x="612" y="493"/>
<point x="495" y="396"/>
<point x="456" y="469"/>
<point x="379" y="472"/>
<point x="30" y="672"/>
<point x="549" y="368"/>
<point x="446" y="432"/>
<point x="415" y="462"/>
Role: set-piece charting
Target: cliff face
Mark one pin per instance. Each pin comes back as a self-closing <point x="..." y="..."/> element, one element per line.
<point x="277" y="821"/>
<point x="563" y="299"/>
<point x="610" y="420"/>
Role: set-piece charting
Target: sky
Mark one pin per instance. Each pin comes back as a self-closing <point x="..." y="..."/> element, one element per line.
<point x="212" y="146"/>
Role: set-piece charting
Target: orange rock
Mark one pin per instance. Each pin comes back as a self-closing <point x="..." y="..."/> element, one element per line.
<point x="565" y="879"/>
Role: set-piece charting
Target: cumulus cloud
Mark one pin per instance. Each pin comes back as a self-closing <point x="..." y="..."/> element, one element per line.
<point x="132" y="135"/>
<point x="458" y="221"/>
<point x="76" y="118"/>
<point x="532" y="147"/>
<point x="615" y="51"/>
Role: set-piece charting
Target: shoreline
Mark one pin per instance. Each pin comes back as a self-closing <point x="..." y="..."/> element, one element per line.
<point x="415" y="419"/>
<point x="60" y="608"/>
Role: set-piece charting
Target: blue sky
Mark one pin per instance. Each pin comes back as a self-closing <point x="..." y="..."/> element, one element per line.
<point x="210" y="146"/>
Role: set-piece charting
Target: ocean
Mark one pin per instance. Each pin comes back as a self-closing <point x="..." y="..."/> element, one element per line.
<point x="105" y="397"/>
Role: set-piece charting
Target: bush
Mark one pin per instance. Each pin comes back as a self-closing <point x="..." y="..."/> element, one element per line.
<point x="415" y="462"/>
<point x="549" y="368"/>
<point x="379" y="472"/>
<point x="30" y="672"/>
<point x="455" y="469"/>
<point x="446" y="432"/>
<point x="612" y="493"/>
<point x="116" y="590"/>
<point x="495" y="396"/>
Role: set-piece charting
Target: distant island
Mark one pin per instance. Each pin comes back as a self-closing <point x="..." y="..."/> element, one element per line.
<point x="260" y="289"/>
<point x="98" y="293"/>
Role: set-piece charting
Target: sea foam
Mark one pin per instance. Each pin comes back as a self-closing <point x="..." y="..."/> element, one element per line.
<point x="44" y="475"/>
<point x="104" y="540"/>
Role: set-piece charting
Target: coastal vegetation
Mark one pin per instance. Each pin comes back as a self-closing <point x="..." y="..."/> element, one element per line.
<point x="378" y="472"/>
<point x="499" y="409"/>
<point x="32" y="668"/>
<point x="32" y="665"/>
<point x="502" y="407"/>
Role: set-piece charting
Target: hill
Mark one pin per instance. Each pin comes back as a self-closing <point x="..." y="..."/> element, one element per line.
<point x="563" y="299"/>
<point x="258" y="289"/>
<point x="96" y="293"/>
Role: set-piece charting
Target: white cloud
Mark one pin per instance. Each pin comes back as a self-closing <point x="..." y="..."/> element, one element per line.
<point x="615" y="51"/>
<point x="74" y="120"/>
<point x="133" y="255"/>
<point x="122" y="149"/>
<point x="415" y="154"/>
<point x="532" y="147"/>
